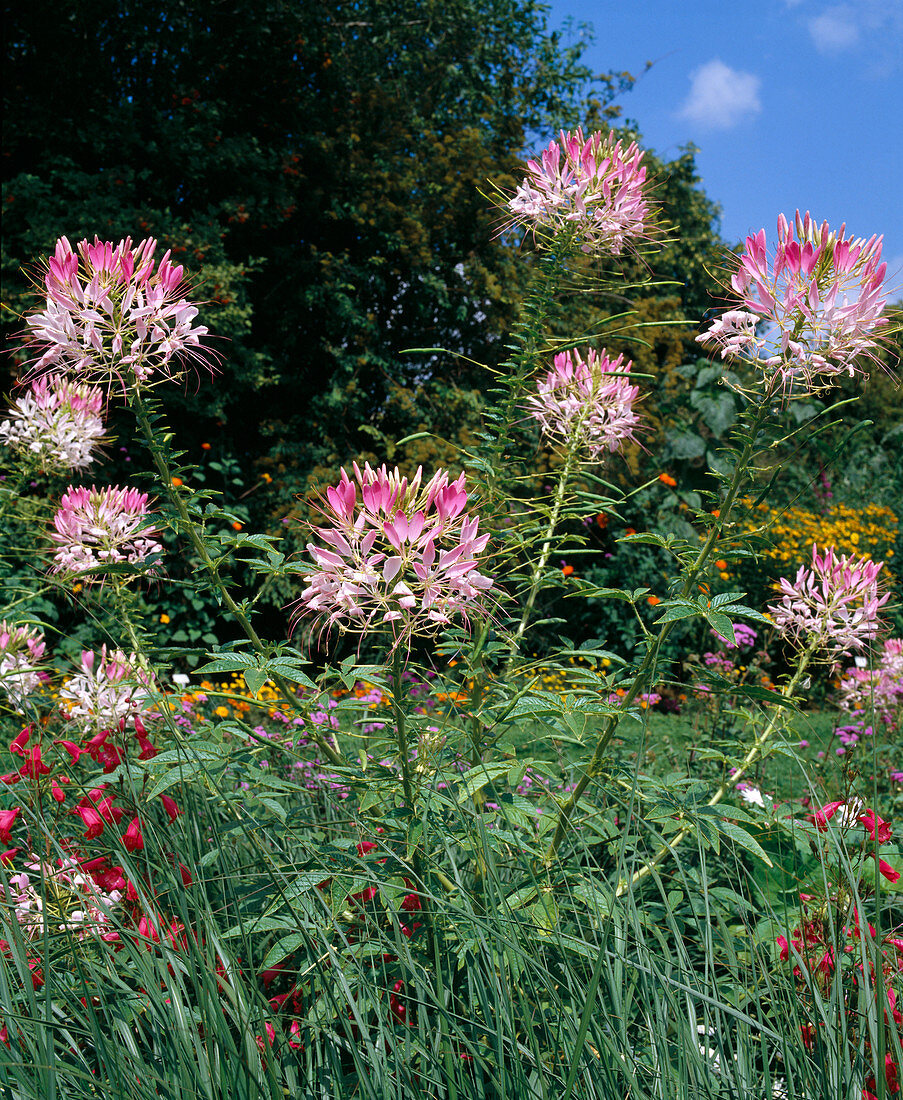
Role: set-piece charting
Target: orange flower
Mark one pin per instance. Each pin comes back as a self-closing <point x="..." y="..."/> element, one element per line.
<point x="653" y="600"/>
<point x="667" y="479"/>
<point x="177" y="481"/>
<point x="164" y="619"/>
<point x="602" y="520"/>
<point x="236" y="526"/>
<point x="205" y="446"/>
<point x="567" y="570"/>
<point x="721" y="565"/>
<point x="716" y="513"/>
<point x="629" y="530"/>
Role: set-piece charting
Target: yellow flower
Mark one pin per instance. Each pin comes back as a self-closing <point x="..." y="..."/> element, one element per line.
<point x="164" y="618"/>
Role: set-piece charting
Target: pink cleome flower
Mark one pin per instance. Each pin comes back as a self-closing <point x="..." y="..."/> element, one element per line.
<point x="587" y="395"/>
<point x="56" y="424"/>
<point x="109" y="314"/>
<point x="21" y="650"/>
<point x="96" y="527"/>
<point x="594" y="187"/>
<point x="878" y="689"/>
<point x="108" y="691"/>
<point x="59" y="896"/>
<point x="396" y="552"/>
<point x="819" y="302"/>
<point x="834" y="604"/>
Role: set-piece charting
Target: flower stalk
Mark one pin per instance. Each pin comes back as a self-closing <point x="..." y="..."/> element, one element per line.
<point x="641" y="677"/>
<point x="158" y="452"/>
<point x="728" y="784"/>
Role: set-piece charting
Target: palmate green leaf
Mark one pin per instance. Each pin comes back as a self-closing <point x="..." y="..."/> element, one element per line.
<point x="740" y="836"/>
<point x="678" y="609"/>
<point x="751" y="691"/>
<point x="228" y="662"/>
<point x="255" y="678"/>
<point x="724" y="598"/>
<point x="722" y="624"/>
<point x="257" y="924"/>
<point x="174" y="776"/>
<point x="595" y="592"/>
<point x="284" y="947"/>
<point x="519" y="898"/>
<point x="290" y="669"/>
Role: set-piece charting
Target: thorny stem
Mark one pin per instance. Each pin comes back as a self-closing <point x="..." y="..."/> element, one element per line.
<point x="567" y="808"/>
<point x="727" y="784"/>
<point x="540" y="566"/>
<point x="189" y="530"/>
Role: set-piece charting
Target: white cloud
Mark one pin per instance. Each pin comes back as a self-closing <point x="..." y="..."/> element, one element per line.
<point x="842" y="26"/>
<point x="721" y="97"/>
<point x="834" y="30"/>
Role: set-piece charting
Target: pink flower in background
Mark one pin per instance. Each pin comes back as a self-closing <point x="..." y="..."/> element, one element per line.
<point x="21" y="650"/>
<point x="592" y="186"/>
<point x="396" y="552"/>
<point x="879" y="688"/>
<point x="587" y="395"/>
<point x="96" y="527"/>
<point x="818" y="303"/>
<point x="56" y="424"/>
<point x="833" y="604"/>
<point x="107" y="691"/>
<point x="110" y="315"/>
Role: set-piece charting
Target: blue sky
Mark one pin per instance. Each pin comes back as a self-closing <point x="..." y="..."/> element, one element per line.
<point x="792" y="103"/>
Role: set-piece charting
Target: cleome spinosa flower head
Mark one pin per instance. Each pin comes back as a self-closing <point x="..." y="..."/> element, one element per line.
<point x="395" y="552"/>
<point x="805" y="315"/>
<point x="56" y="425"/>
<point x="833" y="605"/>
<point x="96" y="527"/>
<point x="587" y="394"/>
<point x="112" y="313"/>
<point x="21" y="649"/>
<point x="108" y="689"/>
<point x="594" y="187"/>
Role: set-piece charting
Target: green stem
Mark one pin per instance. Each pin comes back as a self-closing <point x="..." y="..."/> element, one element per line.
<point x="401" y="736"/>
<point x="540" y="566"/>
<point x="188" y="529"/>
<point x="566" y="810"/>
<point x="528" y="337"/>
<point x="11" y="492"/>
<point x="727" y="785"/>
<point x="407" y="784"/>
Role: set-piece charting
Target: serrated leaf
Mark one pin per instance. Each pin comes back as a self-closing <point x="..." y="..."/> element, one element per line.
<point x="257" y="924"/>
<point x="283" y="948"/>
<point x="726" y="597"/>
<point x="479" y="777"/>
<point x="229" y="662"/>
<point x="743" y="838"/>
<point x="676" y="611"/>
<point x="177" y="775"/>
<point x="722" y="625"/>
<point x="255" y="678"/>
<point x="289" y="670"/>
